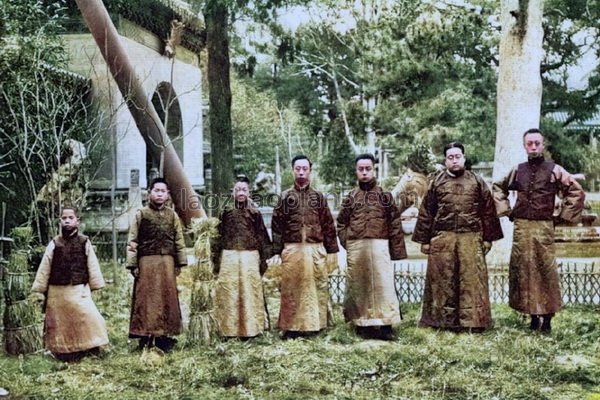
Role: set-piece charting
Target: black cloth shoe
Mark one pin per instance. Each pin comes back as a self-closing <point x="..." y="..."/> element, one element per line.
<point x="94" y="352"/>
<point x="535" y="322"/>
<point x="384" y="332"/>
<point x="69" y="357"/>
<point x="144" y="342"/>
<point x="291" y="335"/>
<point x="299" y="334"/>
<point x="165" y="343"/>
<point x="546" y="323"/>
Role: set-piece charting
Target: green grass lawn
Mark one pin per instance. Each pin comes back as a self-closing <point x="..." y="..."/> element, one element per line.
<point x="508" y="362"/>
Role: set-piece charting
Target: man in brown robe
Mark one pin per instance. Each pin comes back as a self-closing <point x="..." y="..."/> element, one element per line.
<point x="239" y="258"/>
<point x="370" y="229"/>
<point x="156" y="253"/>
<point x="456" y="226"/>
<point x="304" y="234"/>
<point x="69" y="269"/>
<point x="534" y="286"/>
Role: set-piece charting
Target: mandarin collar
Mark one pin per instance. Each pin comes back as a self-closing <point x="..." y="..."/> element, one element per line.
<point x="302" y="189"/>
<point x="71" y="235"/>
<point x="367" y="186"/>
<point x="535" y="160"/>
<point x="156" y="206"/>
<point x="240" y="205"/>
<point x="455" y="174"/>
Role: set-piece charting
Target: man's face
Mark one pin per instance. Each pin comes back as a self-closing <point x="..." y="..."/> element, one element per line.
<point x="365" y="170"/>
<point x="301" y="171"/>
<point x="455" y="160"/>
<point x="69" y="220"/>
<point x="241" y="191"/>
<point x="534" y="144"/>
<point x="159" y="193"/>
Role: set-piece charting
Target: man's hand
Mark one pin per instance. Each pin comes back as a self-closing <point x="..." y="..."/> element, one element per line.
<point x="275" y="260"/>
<point x="425" y="248"/>
<point x="487" y="246"/>
<point x="132" y="255"/>
<point x="37" y="297"/>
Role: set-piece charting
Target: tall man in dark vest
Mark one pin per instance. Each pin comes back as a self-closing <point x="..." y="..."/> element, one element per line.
<point x="533" y="277"/>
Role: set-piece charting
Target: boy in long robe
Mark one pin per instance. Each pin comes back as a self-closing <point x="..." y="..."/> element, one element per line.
<point x="156" y="254"/>
<point x="67" y="274"/>
<point x="534" y="283"/>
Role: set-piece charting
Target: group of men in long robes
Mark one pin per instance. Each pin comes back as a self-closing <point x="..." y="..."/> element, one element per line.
<point x="457" y="223"/>
<point x="305" y="244"/>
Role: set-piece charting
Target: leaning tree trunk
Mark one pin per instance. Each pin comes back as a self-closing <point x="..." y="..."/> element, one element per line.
<point x="105" y="34"/>
<point x="219" y="96"/>
<point x="519" y="94"/>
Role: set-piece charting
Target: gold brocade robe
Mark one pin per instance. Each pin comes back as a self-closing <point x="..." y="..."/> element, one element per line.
<point x="239" y="256"/>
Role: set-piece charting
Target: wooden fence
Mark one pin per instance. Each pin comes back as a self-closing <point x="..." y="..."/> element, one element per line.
<point x="104" y="250"/>
<point x="580" y="283"/>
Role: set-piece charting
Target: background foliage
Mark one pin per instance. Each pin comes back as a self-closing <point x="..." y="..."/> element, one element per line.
<point x="410" y="74"/>
<point x="424" y="73"/>
<point x="41" y="106"/>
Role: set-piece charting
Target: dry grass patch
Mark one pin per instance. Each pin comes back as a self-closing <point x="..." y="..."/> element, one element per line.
<point x="508" y="362"/>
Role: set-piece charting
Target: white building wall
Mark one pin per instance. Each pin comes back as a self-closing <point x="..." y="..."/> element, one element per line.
<point x="183" y="74"/>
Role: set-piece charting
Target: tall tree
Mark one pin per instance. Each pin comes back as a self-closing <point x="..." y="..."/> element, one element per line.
<point x="572" y="49"/>
<point x="332" y="57"/>
<point x="570" y="78"/>
<point x="519" y="92"/>
<point x="425" y="69"/>
<point x="219" y="15"/>
<point x="261" y="128"/>
<point x="216" y="16"/>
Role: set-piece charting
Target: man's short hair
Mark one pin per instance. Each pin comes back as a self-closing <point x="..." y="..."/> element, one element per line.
<point x="364" y="156"/>
<point x="157" y="180"/>
<point x="533" y="130"/>
<point x="301" y="157"/>
<point x="242" y="178"/>
<point x="454" y="145"/>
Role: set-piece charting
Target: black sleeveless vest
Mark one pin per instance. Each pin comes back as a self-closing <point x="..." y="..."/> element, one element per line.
<point x="535" y="191"/>
<point x="69" y="262"/>
<point x="156" y="234"/>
